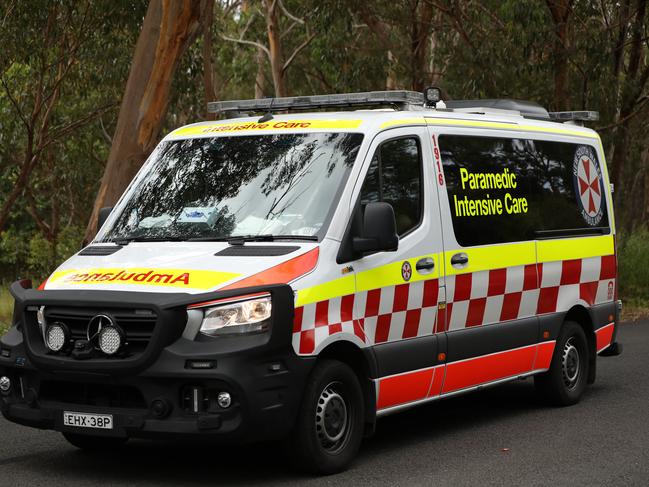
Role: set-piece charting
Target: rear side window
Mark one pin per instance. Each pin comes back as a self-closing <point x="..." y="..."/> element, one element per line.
<point x="394" y="176"/>
<point x="509" y="190"/>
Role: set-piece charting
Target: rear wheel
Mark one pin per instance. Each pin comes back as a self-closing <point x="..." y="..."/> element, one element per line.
<point x="565" y="382"/>
<point x="94" y="443"/>
<point x="329" y="428"/>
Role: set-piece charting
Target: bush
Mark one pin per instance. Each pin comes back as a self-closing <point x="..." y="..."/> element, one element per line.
<point x="30" y="255"/>
<point x="633" y="267"/>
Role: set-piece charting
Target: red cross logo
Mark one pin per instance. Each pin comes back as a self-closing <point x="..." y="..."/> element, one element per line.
<point x="589" y="188"/>
<point x="406" y="271"/>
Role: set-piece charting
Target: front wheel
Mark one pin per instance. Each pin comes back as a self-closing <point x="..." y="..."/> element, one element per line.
<point x="329" y="428"/>
<point x="564" y="383"/>
<point x="94" y="443"/>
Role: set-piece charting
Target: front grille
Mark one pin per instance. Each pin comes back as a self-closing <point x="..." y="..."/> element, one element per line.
<point x="106" y="395"/>
<point x="138" y="325"/>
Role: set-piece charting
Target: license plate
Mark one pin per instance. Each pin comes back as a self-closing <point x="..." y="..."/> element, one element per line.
<point x="84" y="420"/>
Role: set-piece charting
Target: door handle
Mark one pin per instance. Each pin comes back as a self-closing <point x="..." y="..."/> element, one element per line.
<point x="425" y="265"/>
<point x="460" y="260"/>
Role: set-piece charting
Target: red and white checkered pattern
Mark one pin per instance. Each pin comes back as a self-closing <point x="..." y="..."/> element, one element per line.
<point x="385" y="314"/>
<point x="411" y="309"/>
<point x="496" y="295"/>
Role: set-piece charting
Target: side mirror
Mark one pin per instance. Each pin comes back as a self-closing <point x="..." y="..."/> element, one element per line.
<point x="104" y="213"/>
<point x="379" y="229"/>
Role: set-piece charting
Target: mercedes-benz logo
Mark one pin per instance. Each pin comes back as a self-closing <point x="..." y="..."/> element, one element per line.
<point x="96" y="324"/>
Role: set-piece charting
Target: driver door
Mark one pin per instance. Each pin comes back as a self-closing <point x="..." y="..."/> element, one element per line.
<point x="398" y="292"/>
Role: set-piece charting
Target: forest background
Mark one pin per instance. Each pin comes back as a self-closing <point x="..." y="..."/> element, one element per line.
<point x="88" y="88"/>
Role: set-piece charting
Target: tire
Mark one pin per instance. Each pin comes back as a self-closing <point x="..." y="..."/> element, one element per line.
<point x="94" y="443"/>
<point x="565" y="382"/>
<point x="329" y="428"/>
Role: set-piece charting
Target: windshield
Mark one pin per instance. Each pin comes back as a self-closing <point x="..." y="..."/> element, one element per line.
<point x="243" y="186"/>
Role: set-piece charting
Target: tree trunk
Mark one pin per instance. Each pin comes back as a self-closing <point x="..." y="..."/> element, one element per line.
<point x="208" y="70"/>
<point x="632" y="88"/>
<point x="419" y="44"/>
<point x="560" y="11"/>
<point x="275" y="48"/>
<point x="260" y="79"/>
<point x="169" y="28"/>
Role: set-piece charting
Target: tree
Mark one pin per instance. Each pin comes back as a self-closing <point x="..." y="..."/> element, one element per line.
<point x="632" y="45"/>
<point x="32" y="86"/>
<point x="561" y="11"/>
<point x="169" y="28"/>
<point x="274" y="50"/>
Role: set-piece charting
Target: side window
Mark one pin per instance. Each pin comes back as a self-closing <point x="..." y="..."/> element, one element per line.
<point x="509" y="190"/>
<point x="394" y="176"/>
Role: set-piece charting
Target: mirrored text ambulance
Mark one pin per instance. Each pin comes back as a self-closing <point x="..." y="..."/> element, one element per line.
<point x="297" y="276"/>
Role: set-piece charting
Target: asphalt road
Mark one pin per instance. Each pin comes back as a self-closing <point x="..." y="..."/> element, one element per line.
<point x="500" y="436"/>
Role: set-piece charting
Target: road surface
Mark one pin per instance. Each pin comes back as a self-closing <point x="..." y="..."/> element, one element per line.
<point x="500" y="436"/>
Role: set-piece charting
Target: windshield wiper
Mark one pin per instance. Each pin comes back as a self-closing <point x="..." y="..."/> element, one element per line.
<point x="128" y="240"/>
<point x="241" y="239"/>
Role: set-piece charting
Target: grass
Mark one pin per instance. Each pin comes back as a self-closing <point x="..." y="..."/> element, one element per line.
<point x="6" y="308"/>
<point x="635" y="309"/>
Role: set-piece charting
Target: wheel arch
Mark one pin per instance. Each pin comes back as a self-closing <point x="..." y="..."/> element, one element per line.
<point x="362" y="362"/>
<point x="582" y="316"/>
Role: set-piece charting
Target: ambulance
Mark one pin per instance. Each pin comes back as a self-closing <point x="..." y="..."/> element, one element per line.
<point x="306" y="265"/>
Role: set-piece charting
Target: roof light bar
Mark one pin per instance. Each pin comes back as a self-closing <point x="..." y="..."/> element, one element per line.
<point x="581" y="116"/>
<point x="402" y="100"/>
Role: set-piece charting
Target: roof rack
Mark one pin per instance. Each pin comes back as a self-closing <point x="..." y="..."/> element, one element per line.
<point x="527" y="109"/>
<point x="400" y="100"/>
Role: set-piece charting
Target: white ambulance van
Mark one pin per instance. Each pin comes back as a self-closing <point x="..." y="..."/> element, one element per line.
<point x="299" y="275"/>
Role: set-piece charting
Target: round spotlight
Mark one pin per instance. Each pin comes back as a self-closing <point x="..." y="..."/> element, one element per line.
<point x="5" y="384"/>
<point x="111" y="339"/>
<point x="224" y="399"/>
<point x="56" y="336"/>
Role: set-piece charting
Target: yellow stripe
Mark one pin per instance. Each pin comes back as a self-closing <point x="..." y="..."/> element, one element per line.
<point x="383" y="276"/>
<point x="390" y="274"/>
<point x="328" y="290"/>
<point x="574" y="248"/>
<point x="217" y="128"/>
<point x="404" y="121"/>
<point x="493" y="257"/>
<point x="484" y="124"/>
<point x="507" y="126"/>
<point x="180" y="278"/>
<point x="480" y="259"/>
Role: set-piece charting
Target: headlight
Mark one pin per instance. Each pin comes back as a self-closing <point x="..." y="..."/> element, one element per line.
<point x="242" y="317"/>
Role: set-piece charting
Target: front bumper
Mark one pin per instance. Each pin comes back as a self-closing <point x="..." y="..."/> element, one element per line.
<point x="263" y="375"/>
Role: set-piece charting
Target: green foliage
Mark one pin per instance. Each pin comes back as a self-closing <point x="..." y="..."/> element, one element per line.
<point x="6" y="308"/>
<point x="97" y="39"/>
<point x="633" y="267"/>
<point x="482" y="48"/>
<point x="35" y="257"/>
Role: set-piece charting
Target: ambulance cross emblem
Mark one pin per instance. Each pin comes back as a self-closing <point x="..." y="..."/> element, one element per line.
<point x="588" y="185"/>
<point x="406" y="271"/>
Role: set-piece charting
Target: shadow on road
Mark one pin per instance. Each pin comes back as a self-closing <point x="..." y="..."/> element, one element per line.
<point x="184" y="463"/>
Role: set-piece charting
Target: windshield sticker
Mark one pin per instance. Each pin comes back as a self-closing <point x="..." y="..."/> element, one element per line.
<point x="191" y="279"/>
<point x="213" y="128"/>
<point x="203" y="214"/>
<point x="588" y="185"/>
